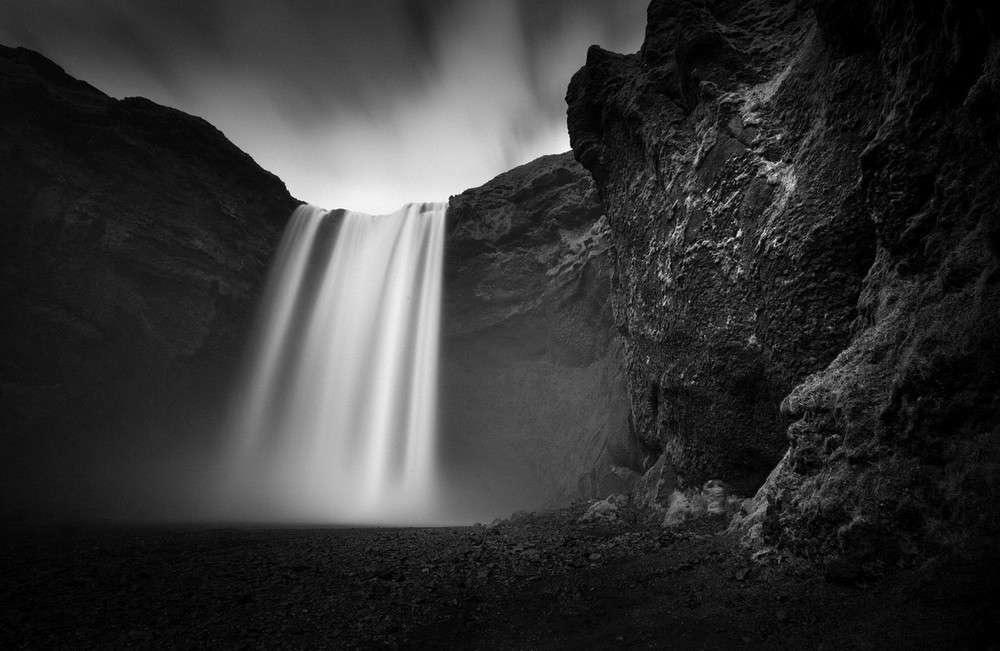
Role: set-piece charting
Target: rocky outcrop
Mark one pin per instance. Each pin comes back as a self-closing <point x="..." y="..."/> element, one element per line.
<point x="534" y="406"/>
<point x="135" y="239"/>
<point x="803" y="202"/>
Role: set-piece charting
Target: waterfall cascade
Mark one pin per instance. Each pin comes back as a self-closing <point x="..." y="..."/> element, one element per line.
<point x="337" y="419"/>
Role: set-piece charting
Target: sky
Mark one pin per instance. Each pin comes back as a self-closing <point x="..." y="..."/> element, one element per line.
<point x="359" y="104"/>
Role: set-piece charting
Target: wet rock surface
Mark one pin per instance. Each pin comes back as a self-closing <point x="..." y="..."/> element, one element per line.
<point x="802" y="200"/>
<point x="532" y="581"/>
<point x="534" y="402"/>
<point x="134" y="242"/>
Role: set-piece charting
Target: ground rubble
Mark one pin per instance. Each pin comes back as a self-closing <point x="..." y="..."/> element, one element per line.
<point x="534" y="580"/>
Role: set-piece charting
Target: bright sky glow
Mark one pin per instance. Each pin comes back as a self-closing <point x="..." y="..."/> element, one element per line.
<point x="358" y="105"/>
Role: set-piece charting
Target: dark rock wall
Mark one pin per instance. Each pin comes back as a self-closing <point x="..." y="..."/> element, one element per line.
<point x="803" y="202"/>
<point x="134" y="241"/>
<point x="534" y="408"/>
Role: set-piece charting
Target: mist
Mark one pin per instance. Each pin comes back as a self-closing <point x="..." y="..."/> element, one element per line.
<point x="354" y="105"/>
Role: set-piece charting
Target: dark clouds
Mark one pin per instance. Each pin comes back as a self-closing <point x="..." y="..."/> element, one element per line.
<point x="362" y="104"/>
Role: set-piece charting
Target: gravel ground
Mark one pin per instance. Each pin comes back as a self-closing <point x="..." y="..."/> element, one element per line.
<point x="532" y="581"/>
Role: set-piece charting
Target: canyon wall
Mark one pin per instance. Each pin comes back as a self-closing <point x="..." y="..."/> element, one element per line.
<point x="135" y="240"/>
<point x="803" y="204"/>
<point x="534" y="404"/>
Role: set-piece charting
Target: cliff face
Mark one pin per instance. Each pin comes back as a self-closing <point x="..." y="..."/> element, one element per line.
<point x="135" y="242"/>
<point x="803" y="201"/>
<point x="135" y="239"/>
<point x="534" y="403"/>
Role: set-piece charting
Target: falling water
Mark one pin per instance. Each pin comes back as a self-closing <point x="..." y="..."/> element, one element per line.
<point x="337" y="419"/>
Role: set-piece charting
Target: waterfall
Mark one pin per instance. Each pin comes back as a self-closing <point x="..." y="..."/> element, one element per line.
<point x="337" y="418"/>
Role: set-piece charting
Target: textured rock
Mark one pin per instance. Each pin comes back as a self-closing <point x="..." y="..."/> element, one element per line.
<point x="607" y="510"/>
<point x="803" y="203"/>
<point x="714" y="499"/>
<point x="734" y="280"/>
<point x="682" y="507"/>
<point x="135" y="241"/>
<point x="135" y="238"/>
<point x="534" y="408"/>
<point x="657" y="484"/>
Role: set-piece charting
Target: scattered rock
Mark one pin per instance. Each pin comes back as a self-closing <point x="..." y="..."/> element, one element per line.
<point x="683" y="506"/>
<point x="606" y="510"/>
<point x="593" y="583"/>
<point x="714" y="499"/>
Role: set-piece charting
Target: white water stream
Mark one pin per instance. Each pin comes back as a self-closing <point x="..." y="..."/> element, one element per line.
<point x="337" y="420"/>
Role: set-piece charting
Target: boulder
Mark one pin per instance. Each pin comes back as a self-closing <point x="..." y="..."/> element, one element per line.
<point x="714" y="499"/>
<point x="608" y="510"/>
<point x="654" y="488"/>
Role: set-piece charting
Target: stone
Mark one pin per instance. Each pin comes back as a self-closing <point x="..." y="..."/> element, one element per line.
<point x="714" y="499"/>
<point x="534" y="411"/>
<point x="718" y="497"/>
<point x="803" y="209"/>
<point x="725" y="297"/>
<point x="682" y="507"/>
<point x="654" y="488"/>
<point x="606" y="510"/>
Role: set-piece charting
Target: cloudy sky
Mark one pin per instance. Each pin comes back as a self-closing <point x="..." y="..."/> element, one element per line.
<point x="361" y="104"/>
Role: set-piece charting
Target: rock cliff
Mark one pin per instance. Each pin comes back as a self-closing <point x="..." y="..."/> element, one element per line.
<point x="135" y="242"/>
<point x="535" y="410"/>
<point x="803" y="201"/>
<point x="135" y="239"/>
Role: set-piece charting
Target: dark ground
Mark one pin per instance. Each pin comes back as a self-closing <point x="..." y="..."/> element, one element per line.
<point x="538" y="581"/>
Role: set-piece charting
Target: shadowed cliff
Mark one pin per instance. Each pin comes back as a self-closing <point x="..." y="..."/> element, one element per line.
<point x="135" y="240"/>
<point x="803" y="204"/>
<point x="534" y="405"/>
